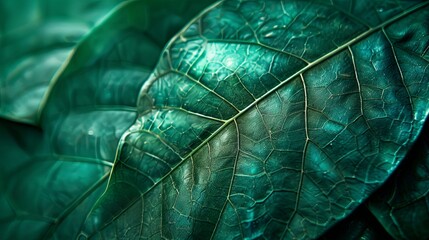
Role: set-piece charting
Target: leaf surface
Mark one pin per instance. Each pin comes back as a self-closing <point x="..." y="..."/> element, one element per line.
<point x="63" y="165"/>
<point x="42" y="191"/>
<point x="360" y="224"/>
<point x="269" y="119"/>
<point x="36" y="38"/>
<point x="401" y="205"/>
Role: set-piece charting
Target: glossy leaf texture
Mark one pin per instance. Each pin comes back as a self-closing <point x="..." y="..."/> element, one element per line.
<point x="36" y="37"/>
<point x="51" y="176"/>
<point x="42" y="193"/>
<point x="401" y="205"/>
<point x="360" y="224"/>
<point x="269" y="119"/>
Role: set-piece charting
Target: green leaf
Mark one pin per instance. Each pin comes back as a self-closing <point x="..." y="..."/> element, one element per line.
<point x="401" y="205"/>
<point x="41" y="190"/>
<point x="51" y="177"/>
<point x="360" y="224"/>
<point x="36" y="37"/>
<point x="269" y="119"/>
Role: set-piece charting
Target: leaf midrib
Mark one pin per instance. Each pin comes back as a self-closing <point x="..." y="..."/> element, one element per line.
<point x="304" y="69"/>
<point x="268" y="93"/>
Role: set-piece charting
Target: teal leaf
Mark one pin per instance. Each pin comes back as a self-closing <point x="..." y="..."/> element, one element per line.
<point x="360" y="224"/>
<point x="43" y="193"/>
<point x="52" y="175"/>
<point x="269" y="119"/>
<point x="36" y="37"/>
<point x="401" y="205"/>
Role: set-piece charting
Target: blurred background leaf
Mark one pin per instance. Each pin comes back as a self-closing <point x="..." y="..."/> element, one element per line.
<point x="36" y="37"/>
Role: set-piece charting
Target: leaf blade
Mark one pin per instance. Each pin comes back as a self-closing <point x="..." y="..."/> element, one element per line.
<point x="341" y="127"/>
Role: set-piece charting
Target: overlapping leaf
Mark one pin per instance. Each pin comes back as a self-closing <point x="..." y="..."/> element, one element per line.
<point x="36" y="37"/>
<point x="262" y="119"/>
<point x="401" y="205"/>
<point x="50" y="178"/>
<point x="270" y="119"/>
<point x="360" y="224"/>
